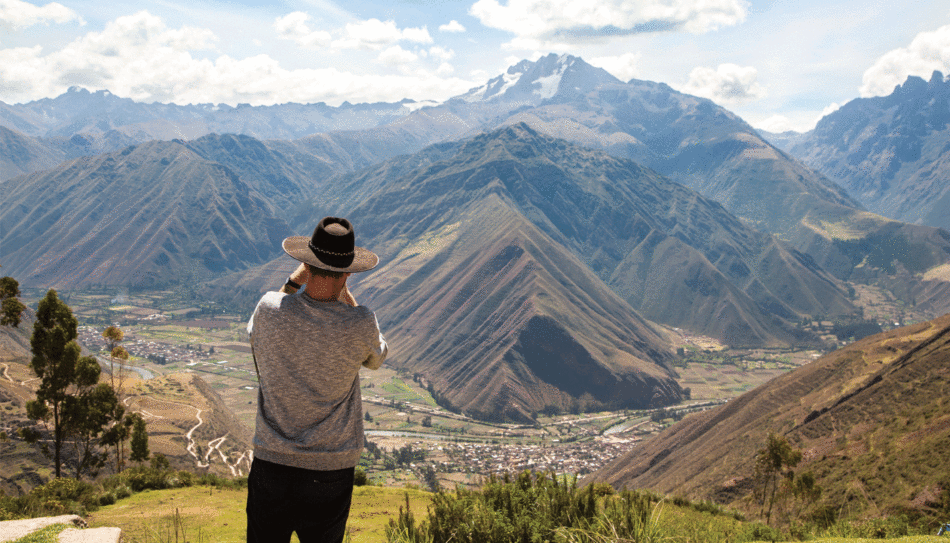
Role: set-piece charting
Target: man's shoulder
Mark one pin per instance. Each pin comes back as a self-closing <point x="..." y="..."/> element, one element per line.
<point x="271" y="299"/>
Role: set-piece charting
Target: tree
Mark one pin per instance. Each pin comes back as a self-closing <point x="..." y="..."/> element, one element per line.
<point x="773" y="467"/>
<point x="10" y="308"/>
<point x="116" y="435"/>
<point x="113" y="335"/>
<point x="84" y="416"/>
<point x="139" y="440"/>
<point x="120" y="431"/>
<point x="57" y="362"/>
<point x="805" y="489"/>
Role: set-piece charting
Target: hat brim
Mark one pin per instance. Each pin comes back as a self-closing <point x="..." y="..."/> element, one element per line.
<point x="298" y="247"/>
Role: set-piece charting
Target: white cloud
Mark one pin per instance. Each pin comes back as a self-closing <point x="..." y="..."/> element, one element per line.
<point x="375" y="34"/>
<point x="928" y="52"/>
<point x="441" y="53"/>
<point x="19" y="14"/>
<point x="445" y="69"/>
<point x="293" y="26"/>
<point x="452" y="26"/>
<point x="580" y="20"/>
<point x="834" y="106"/>
<point x="775" y="124"/>
<point x="397" y="55"/>
<point x="623" y="67"/>
<point x="139" y="57"/>
<point x="728" y="84"/>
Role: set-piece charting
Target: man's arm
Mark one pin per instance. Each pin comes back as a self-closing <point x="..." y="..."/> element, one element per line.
<point x="300" y="276"/>
<point x="347" y="297"/>
<point x="379" y="351"/>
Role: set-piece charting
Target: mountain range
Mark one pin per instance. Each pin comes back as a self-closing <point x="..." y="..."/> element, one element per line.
<point x="649" y="239"/>
<point x="889" y="152"/>
<point x="520" y="248"/>
<point x="656" y="205"/>
<point x="107" y="116"/>
<point x="148" y="215"/>
<point x="689" y="139"/>
<point x="870" y="419"/>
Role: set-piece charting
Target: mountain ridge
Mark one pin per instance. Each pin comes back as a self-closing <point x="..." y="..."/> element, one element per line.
<point x="608" y="212"/>
<point x="54" y="233"/>
<point x="889" y="151"/>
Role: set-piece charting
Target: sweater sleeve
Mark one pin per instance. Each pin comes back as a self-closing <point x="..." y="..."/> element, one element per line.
<point x="378" y="350"/>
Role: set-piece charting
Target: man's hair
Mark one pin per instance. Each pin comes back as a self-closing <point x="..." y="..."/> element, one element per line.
<point x="320" y="272"/>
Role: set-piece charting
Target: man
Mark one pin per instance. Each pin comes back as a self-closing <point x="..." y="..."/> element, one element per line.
<point x="308" y="348"/>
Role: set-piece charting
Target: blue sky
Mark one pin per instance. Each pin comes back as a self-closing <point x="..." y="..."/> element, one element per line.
<point x="778" y="64"/>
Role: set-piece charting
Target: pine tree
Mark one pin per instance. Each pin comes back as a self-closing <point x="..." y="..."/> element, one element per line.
<point x="140" y="451"/>
<point x="57" y="362"/>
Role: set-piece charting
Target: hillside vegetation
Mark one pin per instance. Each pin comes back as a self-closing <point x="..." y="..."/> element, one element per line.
<point x="872" y="421"/>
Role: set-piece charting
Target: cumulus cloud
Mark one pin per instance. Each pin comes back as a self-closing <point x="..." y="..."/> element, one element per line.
<point x="293" y="26"/>
<point x="397" y="55"/>
<point x="554" y="21"/>
<point x="452" y="26"/>
<point x="831" y="108"/>
<point x="19" y="14"/>
<point x="928" y="51"/>
<point x="728" y="84"/>
<point x="139" y="57"/>
<point x="445" y="69"/>
<point x="376" y="34"/>
<point x="441" y="53"/>
<point x="623" y="67"/>
<point x="775" y="124"/>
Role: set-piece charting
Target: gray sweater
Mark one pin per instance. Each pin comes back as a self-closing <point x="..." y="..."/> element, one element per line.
<point x="309" y="354"/>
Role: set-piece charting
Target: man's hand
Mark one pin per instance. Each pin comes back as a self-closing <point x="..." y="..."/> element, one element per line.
<point x="347" y="297"/>
<point x="301" y="276"/>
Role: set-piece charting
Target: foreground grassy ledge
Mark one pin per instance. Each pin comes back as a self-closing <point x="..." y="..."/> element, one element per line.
<point x="162" y="505"/>
<point x="524" y="508"/>
<point x="209" y="514"/>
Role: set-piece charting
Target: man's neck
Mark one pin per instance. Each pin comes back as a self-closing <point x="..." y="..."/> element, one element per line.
<point x="324" y="290"/>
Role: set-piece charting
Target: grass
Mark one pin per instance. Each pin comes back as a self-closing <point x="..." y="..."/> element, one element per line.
<point x="905" y="539"/>
<point x="219" y="513"/>
<point x="49" y="534"/>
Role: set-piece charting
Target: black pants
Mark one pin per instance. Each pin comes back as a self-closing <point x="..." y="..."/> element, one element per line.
<point x="282" y="500"/>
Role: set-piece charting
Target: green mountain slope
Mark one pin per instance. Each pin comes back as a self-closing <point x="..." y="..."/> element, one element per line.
<point x="872" y="420"/>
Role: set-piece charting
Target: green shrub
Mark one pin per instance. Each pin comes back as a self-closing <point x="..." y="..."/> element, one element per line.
<point x="759" y="532"/>
<point x="529" y="508"/>
<point x="61" y="496"/>
<point x="141" y="478"/>
<point x="122" y="492"/>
